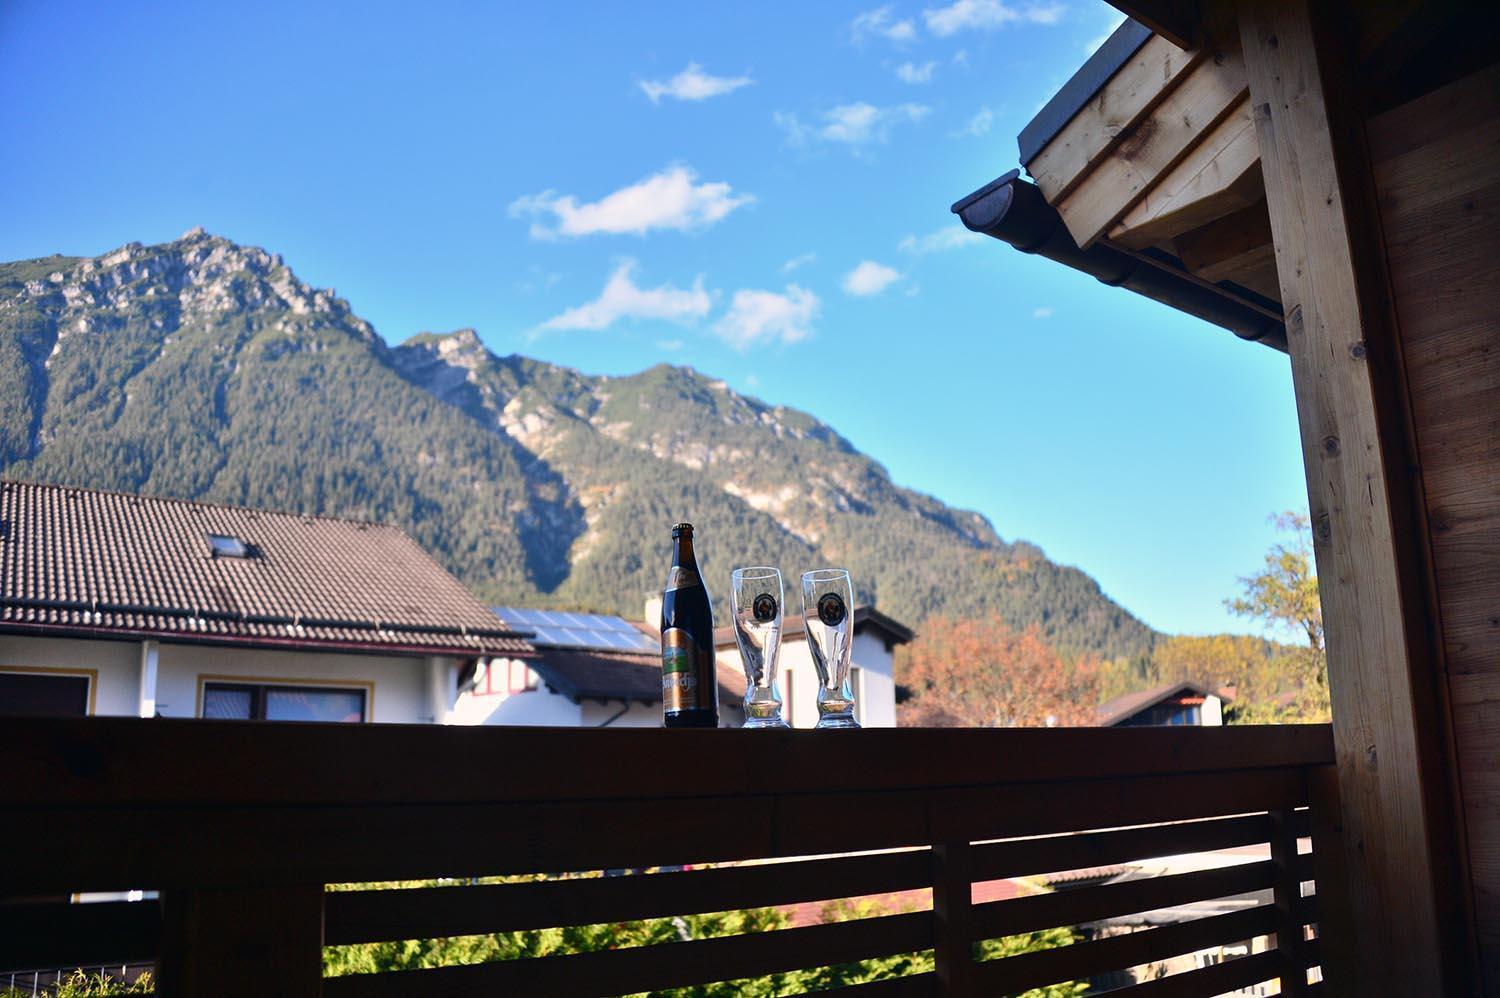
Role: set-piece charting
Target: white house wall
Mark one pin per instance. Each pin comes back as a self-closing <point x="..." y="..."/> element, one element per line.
<point x="396" y="686"/>
<point x="113" y="666"/>
<point x="639" y="715"/>
<point x="875" y="697"/>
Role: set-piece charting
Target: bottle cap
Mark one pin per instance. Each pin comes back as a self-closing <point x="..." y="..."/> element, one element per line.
<point x="681" y="528"/>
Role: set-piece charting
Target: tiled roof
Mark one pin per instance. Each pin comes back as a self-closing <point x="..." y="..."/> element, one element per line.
<point x="113" y="564"/>
<point x="1112" y="712"/>
<point x="604" y="675"/>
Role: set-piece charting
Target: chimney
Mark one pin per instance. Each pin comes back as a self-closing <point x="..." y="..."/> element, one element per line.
<point x="653" y="611"/>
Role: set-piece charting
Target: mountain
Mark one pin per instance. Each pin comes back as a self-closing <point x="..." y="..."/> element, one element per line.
<point x="206" y="370"/>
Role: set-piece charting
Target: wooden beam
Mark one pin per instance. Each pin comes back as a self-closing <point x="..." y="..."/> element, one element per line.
<point x="1343" y="346"/>
<point x="1228" y="245"/>
<point x="1093" y="131"/>
<point x="1174" y="20"/>
<point x="1153" y="146"/>
<point x="1220" y="175"/>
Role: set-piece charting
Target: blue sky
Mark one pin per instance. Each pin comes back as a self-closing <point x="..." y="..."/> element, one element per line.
<point x="759" y="191"/>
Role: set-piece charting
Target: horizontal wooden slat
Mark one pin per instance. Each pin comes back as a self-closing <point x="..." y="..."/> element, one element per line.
<point x="120" y="848"/>
<point x="103" y="761"/>
<point x="1133" y="90"/>
<point x="1218" y="979"/>
<point x="1083" y="960"/>
<point x="75" y="935"/>
<point x="1156" y="144"/>
<point x="1029" y="857"/>
<point x="645" y="968"/>
<point x="1077" y="906"/>
<point x="1219" y="175"/>
<point x="423" y="913"/>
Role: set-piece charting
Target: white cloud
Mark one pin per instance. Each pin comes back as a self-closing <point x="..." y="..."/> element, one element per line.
<point x="870" y="278"/>
<point x="910" y="72"/>
<point x="622" y="298"/>
<point x="950" y="237"/>
<point x="693" y="84"/>
<point x="882" y="23"/>
<point x="670" y="199"/>
<point x="986" y="15"/>
<point x="852" y="124"/>
<point x="977" y="125"/>
<point x="798" y="261"/>
<point x="1045" y="312"/>
<point x="756" y="316"/>
<point x="671" y="346"/>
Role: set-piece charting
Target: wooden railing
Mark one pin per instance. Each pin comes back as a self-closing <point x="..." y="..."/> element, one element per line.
<point x="240" y="826"/>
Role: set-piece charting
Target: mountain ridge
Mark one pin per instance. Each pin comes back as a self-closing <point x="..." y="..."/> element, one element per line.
<point x="203" y="369"/>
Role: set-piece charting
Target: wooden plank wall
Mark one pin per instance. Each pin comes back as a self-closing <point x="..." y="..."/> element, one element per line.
<point x="1437" y="175"/>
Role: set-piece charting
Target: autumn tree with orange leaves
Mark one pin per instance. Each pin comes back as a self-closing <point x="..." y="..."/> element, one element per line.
<point x="978" y="672"/>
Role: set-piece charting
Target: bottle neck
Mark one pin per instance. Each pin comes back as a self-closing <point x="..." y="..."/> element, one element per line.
<point x="682" y="551"/>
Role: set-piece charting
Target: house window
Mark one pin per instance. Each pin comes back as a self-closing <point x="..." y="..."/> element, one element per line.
<point x="255" y="702"/>
<point x="227" y="546"/>
<point x="39" y="694"/>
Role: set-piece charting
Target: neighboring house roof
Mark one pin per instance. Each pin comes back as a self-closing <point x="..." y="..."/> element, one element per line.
<point x="1114" y="711"/>
<point x="567" y="629"/>
<point x="794" y="628"/>
<point x="594" y="656"/>
<point x="580" y="674"/>
<point x="88" y="563"/>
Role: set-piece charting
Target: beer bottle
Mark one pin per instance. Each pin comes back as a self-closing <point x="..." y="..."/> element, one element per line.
<point x="689" y="685"/>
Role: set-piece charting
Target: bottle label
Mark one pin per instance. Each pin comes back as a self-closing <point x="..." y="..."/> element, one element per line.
<point x="687" y="672"/>
<point x="681" y="577"/>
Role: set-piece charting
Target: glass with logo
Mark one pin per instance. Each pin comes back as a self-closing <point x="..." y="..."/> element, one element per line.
<point x="828" y="611"/>
<point x="757" y="596"/>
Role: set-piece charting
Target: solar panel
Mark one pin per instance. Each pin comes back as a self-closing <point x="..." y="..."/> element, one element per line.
<point x="586" y="631"/>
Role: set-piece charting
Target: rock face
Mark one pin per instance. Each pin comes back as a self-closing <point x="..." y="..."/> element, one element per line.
<point x="208" y="370"/>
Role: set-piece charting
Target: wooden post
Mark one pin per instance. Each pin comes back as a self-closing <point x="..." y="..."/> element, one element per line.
<point x="952" y="911"/>
<point x="1287" y="889"/>
<point x="1388" y="732"/>
<point x="242" y="942"/>
<point x="1335" y="922"/>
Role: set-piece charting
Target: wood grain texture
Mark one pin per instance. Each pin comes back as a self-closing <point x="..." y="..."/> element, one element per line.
<point x="1153" y="146"/>
<point x="1437" y="176"/>
<point x="1309" y="157"/>
<point x="104" y="760"/>
<point x="1220" y="175"/>
<point x="1228" y="245"/>
<point x="1133" y="90"/>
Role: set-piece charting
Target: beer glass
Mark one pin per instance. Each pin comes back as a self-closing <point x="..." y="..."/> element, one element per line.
<point x="828" y="611"/>
<point x="757" y="597"/>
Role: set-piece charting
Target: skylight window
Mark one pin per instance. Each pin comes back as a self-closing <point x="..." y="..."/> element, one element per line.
<point x="228" y="546"/>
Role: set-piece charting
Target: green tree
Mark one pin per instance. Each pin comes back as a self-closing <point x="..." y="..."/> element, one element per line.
<point x="1284" y="596"/>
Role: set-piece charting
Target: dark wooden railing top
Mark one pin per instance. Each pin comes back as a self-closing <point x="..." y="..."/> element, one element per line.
<point x="105" y="760"/>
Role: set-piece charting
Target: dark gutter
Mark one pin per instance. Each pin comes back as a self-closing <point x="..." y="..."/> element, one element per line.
<point x="1014" y="211"/>
<point x="1081" y="88"/>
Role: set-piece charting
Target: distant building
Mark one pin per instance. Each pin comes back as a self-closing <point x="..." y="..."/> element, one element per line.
<point x="1184" y="703"/>
<point x="121" y="604"/>
<point x="591" y="670"/>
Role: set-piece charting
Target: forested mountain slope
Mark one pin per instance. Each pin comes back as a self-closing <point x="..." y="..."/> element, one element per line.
<point x="207" y="370"/>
